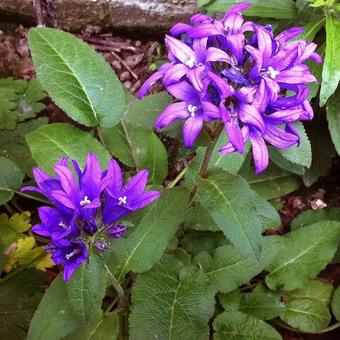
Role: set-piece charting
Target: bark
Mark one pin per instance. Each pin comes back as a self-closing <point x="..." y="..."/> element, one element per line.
<point x="74" y="15"/>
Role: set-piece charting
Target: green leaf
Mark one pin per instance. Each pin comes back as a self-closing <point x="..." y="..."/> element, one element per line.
<point x="228" y="198"/>
<point x="316" y="70"/>
<point x="312" y="28"/>
<point x="230" y="301"/>
<point x="171" y="301"/>
<point x="305" y="253"/>
<point x="333" y="118"/>
<point x="302" y="153"/>
<point x="284" y="164"/>
<point x="29" y="102"/>
<point x="277" y="9"/>
<point x="307" y="315"/>
<point x="140" y="250"/>
<point x="331" y="67"/>
<point x="86" y="289"/>
<point x="51" y="142"/>
<point x="11" y="179"/>
<point x="262" y="303"/>
<point x="13" y="144"/>
<point x="312" y="216"/>
<point x="197" y="241"/>
<point x="239" y="326"/>
<point x="76" y="77"/>
<point x="336" y="304"/>
<point x="156" y="159"/>
<point x="228" y="268"/>
<point x="54" y="317"/>
<point x="274" y="182"/>
<point x="128" y="142"/>
<point x="315" y="290"/>
<point x="144" y="112"/>
<point x="100" y="327"/>
<point x="19" y="297"/>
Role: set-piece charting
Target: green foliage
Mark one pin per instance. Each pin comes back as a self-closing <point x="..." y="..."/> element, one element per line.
<point x="19" y="297"/>
<point x="11" y="178"/>
<point x="304" y="253"/>
<point x="13" y="144"/>
<point x="228" y="268"/>
<point x="277" y="9"/>
<point x="336" y="304"/>
<point x="102" y="326"/>
<point x="333" y="117"/>
<point x="230" y="301"/>
<point x="76" y="77"/>
<point x="238" y="326"/>
<point x="331" y="68"/>
<point x="86" y="289"/>
<point x="145" y="246"/>
<point x="51" y="142"/>
<point x="171" y="301"/>
<point x="236" y="209"/>
<point x="53" y="311"/>
<point x="262" y="303"/>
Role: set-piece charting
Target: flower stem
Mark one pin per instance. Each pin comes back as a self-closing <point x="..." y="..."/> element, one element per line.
<point x="177" y="179"/>
<point x="22" y="194"/>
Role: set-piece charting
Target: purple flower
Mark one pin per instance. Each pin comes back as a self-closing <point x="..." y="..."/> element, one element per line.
<point x="122" y="200"/>
<point x="240" y="74"/>
<point x="87" y="205"/>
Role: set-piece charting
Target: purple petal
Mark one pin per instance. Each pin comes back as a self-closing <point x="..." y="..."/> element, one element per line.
<point x="288" y="34"/>
<point x="145" y="199"/>
<point x="195" y="77"/>
<point x="235" y="134"/>
<point x="41" y="230"/>
<point x="63" y="198"/>
<point x="259" y="151"/>
<point x="210" y="111"/>
<point x="250" y="115"/>
<point x="285" y="116"/>
<point x="199" y="18"/>
<point x="113" y="179"/>
<point x="298" y="74"/>
<point x="229" y="147"/>
<point x="205" y="30"/>
<point x="308" y="113"/>
<point x="180" y="50"/>
<point x="174" y="74"/>
<point x="191" y="129"/>
<point x="172" y="113"/>
<point x="261" y="97"/>
<point x="278" y="138"/>
<point x="235" y="44"/>
<point x="137" y="183"/>
<point x="66" y="178"/>
<point x="49" y="215"/>
<point x="200" y="48"/>
<point x="237" y="8"/>
<point x="216" y="54"/>
<point x="90" y="182"/>
<point x="179" y="29"/>
<point x="264" y="42"/>
<point x="183" y="91"/>
<point x="246" y="94"/>
<point x="223" y="87"/>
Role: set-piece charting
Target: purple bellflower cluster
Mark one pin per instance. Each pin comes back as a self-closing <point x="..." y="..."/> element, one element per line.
<point x="86" y="204"/>
<point x="239" y="73"/>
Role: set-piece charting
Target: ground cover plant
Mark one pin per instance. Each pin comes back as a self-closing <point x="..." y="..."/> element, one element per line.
<point x="157" y="217"/>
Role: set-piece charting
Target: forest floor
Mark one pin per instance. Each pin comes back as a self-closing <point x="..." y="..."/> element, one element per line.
<point x="133" y="60"/>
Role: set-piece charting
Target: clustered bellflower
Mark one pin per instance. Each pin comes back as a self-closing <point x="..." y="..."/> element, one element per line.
<point x="84" y="204"/>
<point x="239" y="73"/>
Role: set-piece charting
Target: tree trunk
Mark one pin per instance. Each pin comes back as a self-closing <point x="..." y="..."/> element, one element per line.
<point x="74" y="15"/>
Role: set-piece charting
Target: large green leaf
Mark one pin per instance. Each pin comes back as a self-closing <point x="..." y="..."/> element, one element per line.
<point x="312" y="216"/>
<point x="307" y="315"/>
<point x="100" y="327"/>
<point x="76" y="77"/>
<point x="277" y="9"/>
<point x="171" y="301"/>
<point x="228" y="268"/>
<point x="299" y="154"/>
<point x="239" y="326"/>
<point x="156" y="159"/>
<point x="54" y="317"/>
<point x="14" y="146"/>
<point x="19" y="297"/>
<point x="51" y="142"/>
<point x="10" y="179"/>
<point x="229" y="200"/>
<point x="336" y="304"/>
<point x="140" y="250"/>
<point x="305" y="252"/>
<point x="333" y="118"/>
<point x="274" y="182"/>
<point x="86" y="289"/>
<point x="230" y="301"/>
<point x="262" y="303"/>
<point x="331" y="67"/>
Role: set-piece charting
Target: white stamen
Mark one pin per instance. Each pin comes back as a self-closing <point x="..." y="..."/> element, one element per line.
<point x="122" y="200"/>
<point x="191" y="62"/>
<point x="192" y="109"/>
<point x="85" y="201"/>
<point x="74" y="252"/>
<point x="63" y="225"/>
<point x="233" y="115"/>
<point x="272" y="73"/>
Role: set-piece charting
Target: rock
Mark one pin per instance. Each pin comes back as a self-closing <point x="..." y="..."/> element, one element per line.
<point x="74" y="15"/>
